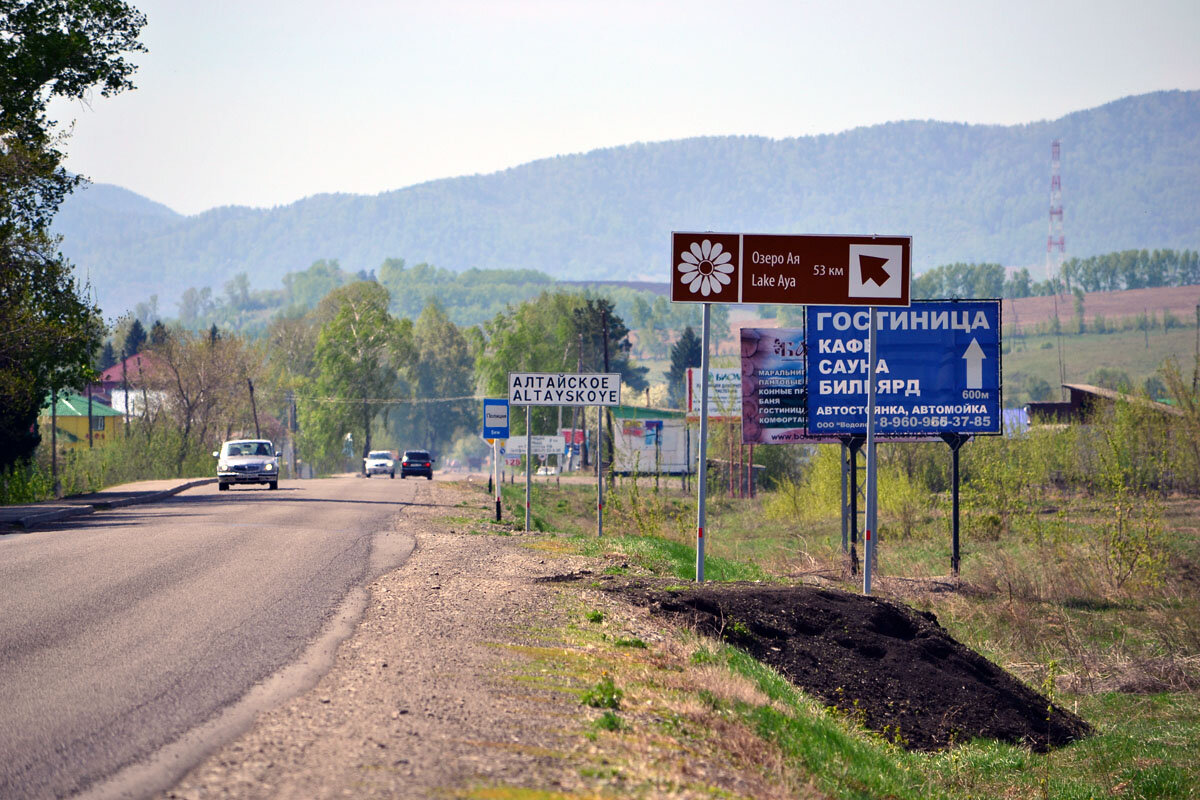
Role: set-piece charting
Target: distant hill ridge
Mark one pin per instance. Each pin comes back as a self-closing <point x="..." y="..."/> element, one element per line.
<point x="966" y="193"/>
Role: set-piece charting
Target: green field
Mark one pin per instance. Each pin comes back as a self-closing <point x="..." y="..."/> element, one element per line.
<point x="1132" y="352"/>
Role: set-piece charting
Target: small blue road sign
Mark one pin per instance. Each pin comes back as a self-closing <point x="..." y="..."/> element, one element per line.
<point x="495" y="418"/>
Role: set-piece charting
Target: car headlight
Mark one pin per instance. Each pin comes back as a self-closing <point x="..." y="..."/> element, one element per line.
<point x="269" y="467"/>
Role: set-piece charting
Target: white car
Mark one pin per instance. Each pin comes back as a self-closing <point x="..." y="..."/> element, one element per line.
<point x="247" y="461"/>
<point x="379" y="462"/>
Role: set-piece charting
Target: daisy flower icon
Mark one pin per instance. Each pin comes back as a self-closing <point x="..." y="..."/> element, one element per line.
<point x="704" y="268"/>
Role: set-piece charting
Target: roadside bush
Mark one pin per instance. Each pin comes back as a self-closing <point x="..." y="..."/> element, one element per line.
<point x="902" y="500"/>
<point x="815" y="495"/>
<point x="148" y="452"/>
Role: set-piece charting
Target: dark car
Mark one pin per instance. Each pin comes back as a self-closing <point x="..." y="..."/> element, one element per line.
<point x="416" y="462"/>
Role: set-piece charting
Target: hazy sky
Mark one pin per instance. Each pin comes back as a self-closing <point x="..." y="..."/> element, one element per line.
<point x="263" y="102"/>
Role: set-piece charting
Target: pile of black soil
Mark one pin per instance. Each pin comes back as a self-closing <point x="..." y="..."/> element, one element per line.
<point x="893" y="668"/>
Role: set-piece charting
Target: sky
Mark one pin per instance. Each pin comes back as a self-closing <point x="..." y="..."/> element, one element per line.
<point x="264" y="102"/>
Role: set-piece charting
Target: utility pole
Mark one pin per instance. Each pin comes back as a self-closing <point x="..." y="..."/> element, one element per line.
<point x="125" y="386"/>
<point x="254" y="409"/>
<point x="575" y="415"/>
<point x="583" y="446"/>
<point x="605" y="412"/>
<point x="367" y="434"/>
<point x="54" y="439"/>
<point x="1196" y="365"/>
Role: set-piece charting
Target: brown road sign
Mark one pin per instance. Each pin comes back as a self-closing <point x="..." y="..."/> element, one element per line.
<point x="790" y="270"/>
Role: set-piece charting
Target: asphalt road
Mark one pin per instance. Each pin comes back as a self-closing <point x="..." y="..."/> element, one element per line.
<point x="133" y="640"/>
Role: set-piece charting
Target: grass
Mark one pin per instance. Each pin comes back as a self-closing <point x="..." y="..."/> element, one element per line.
<point x="1024" y="602"/>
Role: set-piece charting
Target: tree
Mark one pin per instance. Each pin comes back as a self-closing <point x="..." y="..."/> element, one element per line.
<point x="204" y="381"/>
<point x="442" y="367"/>
<point x="194" y="305"/>
<point x="48" y="330"/>
<point x="1110" y="378"/>
<point x="134" y="339"/>
<point x="237" y="289"/>
<point x="593" y="320"/>
<point x="685" y="353"/>
<point x="158" y="333"/>
<point x="48" y="335"/>
<point x="108" y="357"/>
<point x="53" y="49"/>
<point x="1039" y="389"/>
<point x="359" y="353"/>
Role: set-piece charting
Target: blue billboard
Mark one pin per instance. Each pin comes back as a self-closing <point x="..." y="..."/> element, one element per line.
<point x="938" y="369"/>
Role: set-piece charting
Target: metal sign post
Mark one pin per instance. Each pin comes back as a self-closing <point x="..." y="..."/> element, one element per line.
<point x="495" y="428"/>
<point x="528" y="461"/>
<point x="496" y="471"/>
<point x="872" y="533"/>
<point x="702" y="464"/>
<point x="955" y="441"/>
<point x="599" y="471"/>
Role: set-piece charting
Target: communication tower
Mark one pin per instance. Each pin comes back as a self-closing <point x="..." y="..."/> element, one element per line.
<point x="1056" y="242"/>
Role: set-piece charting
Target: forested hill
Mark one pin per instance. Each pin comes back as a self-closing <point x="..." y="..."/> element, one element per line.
<point x="966" y="193"/>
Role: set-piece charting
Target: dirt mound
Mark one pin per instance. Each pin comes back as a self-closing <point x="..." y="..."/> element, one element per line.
<point x="895" y="669"/>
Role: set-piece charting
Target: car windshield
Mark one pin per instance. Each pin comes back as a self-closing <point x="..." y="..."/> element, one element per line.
<point x="247" y="448"/>
<point x="379" y="454"/>
<point x="417" y="455"/>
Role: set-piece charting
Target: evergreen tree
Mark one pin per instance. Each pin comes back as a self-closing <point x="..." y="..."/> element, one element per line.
<point x="134" y="339"/>
<point x="685" y="353"/>
<point x="591" y="320"/>
<point x="108" y="356"/>
<point x="158" y="333"/>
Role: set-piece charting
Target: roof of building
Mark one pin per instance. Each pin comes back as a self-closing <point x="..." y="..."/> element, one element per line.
<point x="641" y="412"/>
<point x="76" y="405"/>
<point x="136" y="366"/>
<point x="1080" y="391"/>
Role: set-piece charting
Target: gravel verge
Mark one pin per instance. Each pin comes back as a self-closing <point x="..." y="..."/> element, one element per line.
<point x="418" y="702"/>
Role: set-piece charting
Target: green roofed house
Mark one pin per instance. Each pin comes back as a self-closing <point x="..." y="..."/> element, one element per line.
<point x="72" y="413"/>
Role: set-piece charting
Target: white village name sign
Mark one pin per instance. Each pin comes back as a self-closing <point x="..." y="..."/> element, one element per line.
<point x="564" y="389"/>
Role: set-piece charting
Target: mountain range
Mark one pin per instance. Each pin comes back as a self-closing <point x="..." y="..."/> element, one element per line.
<point x="966" y="193"/>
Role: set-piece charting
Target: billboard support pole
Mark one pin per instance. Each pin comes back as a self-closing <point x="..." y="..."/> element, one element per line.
<point x="845" y="453"/>
<point x="854" y="444"/>
<point x="956" y="441"/>
<point x="870" y="529"/>
<point x="702" y="460"/>
<point x="528" y="460"/>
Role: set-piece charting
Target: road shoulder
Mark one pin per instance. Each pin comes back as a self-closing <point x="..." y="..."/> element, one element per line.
<point x="419" y="698"/>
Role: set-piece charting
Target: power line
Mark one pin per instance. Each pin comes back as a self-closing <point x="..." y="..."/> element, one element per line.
<point x="381" y="400"/>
